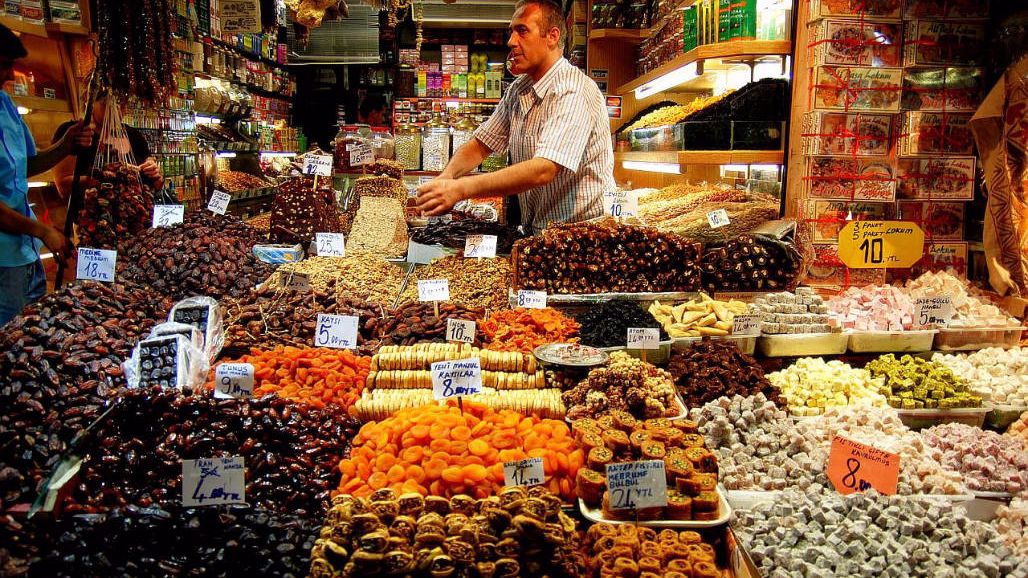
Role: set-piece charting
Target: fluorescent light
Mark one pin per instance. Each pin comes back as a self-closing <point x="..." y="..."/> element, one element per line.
<point x="46" y="255"/>
<point x="734" y="168"/>
<point x="226" y="155"/>
<point x="278" y="154"/>
<point x="23" y="111"/>
<point x="669" y="168"/>
<point x="207" y="120"/>
<point x="669" y="80"/>
<point x="37" y="184"/>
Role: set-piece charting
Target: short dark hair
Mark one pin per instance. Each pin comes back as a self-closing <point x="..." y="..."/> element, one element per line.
<point x="371" y="102"/>
<point x="553" y="17"/>
<point x="10" y="45"/>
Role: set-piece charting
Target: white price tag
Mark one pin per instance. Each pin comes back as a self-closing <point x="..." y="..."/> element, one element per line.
<point x="620" y="204"/>
<point x="168" y="215"/>
<point x="456" y="378"/>
<point x="361" y="155"/>
<point x="330" y="244"/>
<point x="643" y="338"/>
<point x="532" y="299"/>
<point x="460" y="330"/>
<point x="336" y="331"/>
<point x="213" y="481"/>
<point x="233" y="380"/>
<point x="320" y="165"/>
<point x="219" y="202"/>
<point x="298" y="281"/>
<point x="481" y="246"/>
<point x="524" y="472"/>
<point x="434" y="290"/>
<point x="637" y="485"/>
<point x="747" y="325"/>
<point x="443" y="219"/>
<point x="96" y="264"/>
<point x="718" y="218"/>
<point x="933" y="310"/>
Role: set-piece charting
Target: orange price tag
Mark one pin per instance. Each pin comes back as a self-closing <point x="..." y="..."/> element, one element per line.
<point x="855" y="467"/>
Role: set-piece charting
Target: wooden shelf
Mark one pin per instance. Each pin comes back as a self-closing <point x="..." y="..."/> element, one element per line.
<point x="71" y="29"/>
<point x="45" y="30"/>
<point x="721" y="52"/>
<point x="626" y="34"/>
<point x="686" y="158"/>
<point x="36" y="103"/>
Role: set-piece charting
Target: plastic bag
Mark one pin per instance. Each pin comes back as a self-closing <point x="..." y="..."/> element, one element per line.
<point x="204" y="314"/>
<point x="166" y="361"/>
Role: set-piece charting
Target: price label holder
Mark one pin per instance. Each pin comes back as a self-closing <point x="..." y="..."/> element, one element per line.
<point x="213" y="482"/>
<point x="330" y="244"/>
<point x="480" y="246"/>
<point x="856" y="467"/>
<point x="317" y="165"/>
<point x="360" y="155"/>
<point x="746" y="325"/>
<point x="532" y="299"/>
<point x="620" y="204"/>
<point x="524" y="473"/>
<point x="336" y="331"/>
<point x="718" y="218"/>
<point x="433" y="290"/>
<point x="295" y="280"/>
<point x="219" y="202"/>
<point x="460" y="330"/>
<point x="233" y="380"/>
<point x="936" y="311"/>
<point x="881" y="244"/>
<point x="456" y="378"/>
<point x="96" y="264"/>
<point x="645" y="338"/>
<point x="422" y="254"/>
<point x="168" y="215"/>
<point x="637" y="485"/>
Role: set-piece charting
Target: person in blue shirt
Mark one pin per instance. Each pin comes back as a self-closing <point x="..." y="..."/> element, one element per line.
<point x="22" y="279"/>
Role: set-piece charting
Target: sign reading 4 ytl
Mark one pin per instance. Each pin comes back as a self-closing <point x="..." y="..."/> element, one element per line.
<point x="881" y="244"/>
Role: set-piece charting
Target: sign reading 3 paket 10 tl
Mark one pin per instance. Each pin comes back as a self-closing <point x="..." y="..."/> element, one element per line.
<point x="881" y="244"/>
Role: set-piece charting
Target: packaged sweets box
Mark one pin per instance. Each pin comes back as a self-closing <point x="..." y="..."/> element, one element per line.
<point x="855" y="43"/>
<point x="869" y="179"/>
<point x="883" y="9"/>
<point x="942" y="89"/>
<point x="935" y="178"/>
<point x="846" y="134"/>
<point x="913" y="9"/>
<point x="827" y="218"/>
<point x="933" y="43"/>
<point x="857" y="89"/>
<point x="826" y="270"/>
<point x="935" y="133"/>
<point x="940" y="220"/>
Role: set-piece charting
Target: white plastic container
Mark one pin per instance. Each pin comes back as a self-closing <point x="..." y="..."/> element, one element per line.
<point x="803" y="345"/>
<point x="891" y="341"/>
<point x="724" y="514"/>
<point x="975" y="338"/>
<point x="917" y="419"/>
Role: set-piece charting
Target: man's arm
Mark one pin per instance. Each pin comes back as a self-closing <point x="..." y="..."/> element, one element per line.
<point x="465" y="159"/>
<point x="15" y="223"/>
<point x="78" y="135"/>
<point x="440" y="195"/>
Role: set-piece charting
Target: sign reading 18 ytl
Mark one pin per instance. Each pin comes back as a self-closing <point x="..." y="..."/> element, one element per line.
<point x="881" y="244"/>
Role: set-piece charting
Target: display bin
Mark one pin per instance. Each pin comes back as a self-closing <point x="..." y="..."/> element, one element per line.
<point x="658" y="356"/>
<point x="656" y="139"/>
<point x="712" y="135"/>
<point x="724" y="514"/>
<point x="918" y="419"/>
<point x="746" y="343"/>
<point x="1000" y="417"/>
<point x="757" y="135"/>
<point x="974" y="338"/>
<point x="580" y="303"/>
<point x="761" y="100"/>
<point x="803" y="345"/>
<point x="891" y="341"/>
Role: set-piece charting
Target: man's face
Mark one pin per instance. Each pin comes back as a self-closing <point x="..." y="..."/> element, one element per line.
<point x="7" y="69"/>
<point x="530" y="41"/>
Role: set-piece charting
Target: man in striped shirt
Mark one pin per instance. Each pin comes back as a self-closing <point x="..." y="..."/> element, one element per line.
<point x="553" y="120"/>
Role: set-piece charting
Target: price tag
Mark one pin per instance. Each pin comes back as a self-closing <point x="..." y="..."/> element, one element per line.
<point x="336" y="331"/>
<point x="434" y="290"/>
<point x="934" y="310"/>
<point x="746" y="325"/>
<point x="330" y="244"/>
<point x="532" y="299"/>
<point x="718" y="218"/>
<point x="855" y="467"/>
<point x="480" y="246"/>
<point x="441" y="219"/>
<point x="168" y="215"/>
<point x="320" y="165"/>
<point x="524" y="472"/>
<point x="219" y="202"/>
<point x="233" y="380"/>
<point x="298" y="281"/>
<point x="637" y="485"/>
<point x="619" y="204"/>
<point x="456" y="378"/>
<point x="213" y="481"/>
<point x="361" y="154"/>
<point x="460" y="330"/>
<point x="881" y="244"/>
<point x="96" y="264"/>
<point x="643" y="338"/>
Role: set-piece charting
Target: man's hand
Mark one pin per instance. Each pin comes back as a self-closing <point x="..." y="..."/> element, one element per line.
<point x="57" y="243"/>
<point x="149" y="168"/>
<point x="81" y="135"/>
<point x="439" y="195"/>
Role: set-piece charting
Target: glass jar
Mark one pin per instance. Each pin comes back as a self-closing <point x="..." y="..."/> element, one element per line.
<point x="435" y="144"/>
<point x="383" y="143"/>
<point x="348" y="137"/>
<point x="408" y="146"/>
<point x="463" y="131"/>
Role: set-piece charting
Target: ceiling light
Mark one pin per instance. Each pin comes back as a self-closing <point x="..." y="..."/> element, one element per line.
<point x="23" y="111"/>
<point x="674" y="78"/>
<point x="37" y="184"/>
<point x="669" y="168"/>
<point x="226" y="155"/>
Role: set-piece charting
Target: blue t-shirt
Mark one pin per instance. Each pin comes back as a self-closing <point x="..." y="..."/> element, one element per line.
<point x="18" y="146"/>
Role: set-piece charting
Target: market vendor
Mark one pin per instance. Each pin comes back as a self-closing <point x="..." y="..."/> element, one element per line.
<point x="64" y="172"/>
<point x="553" y="120"/>
<point x="22" y="279"/>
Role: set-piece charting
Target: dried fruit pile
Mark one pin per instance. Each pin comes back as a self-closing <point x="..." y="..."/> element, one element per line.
<point x="606" y="324"/>
<point x="116" y="208"/>
<point x="416" y="322"/>
<point x="625" y="383"/>
<point x="135" y="50"/>
<point x="716" y="368"/>
<point x="525" y="329"/>
<point x="300" y="211"/>
<point x="454" y="234"/>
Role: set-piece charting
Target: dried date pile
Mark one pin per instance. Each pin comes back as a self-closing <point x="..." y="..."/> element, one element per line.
<point x="60" y="359"/>
<point x="300" y="211"/>
<point x="148" y="542"/>
<point x="716" y="368"/>
<point x="602" y="258"/>
<point x="194" y="258"/>
<point x="417" y="322"/>
<point x="750" y="263"/>
<point x="117" y="207"/>
<point x="606" y="324"/>
<point x="291" y="452"/>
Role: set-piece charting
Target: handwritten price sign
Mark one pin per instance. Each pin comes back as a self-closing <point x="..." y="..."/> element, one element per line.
<point x="637" y="485"/>
<point x="619" y="204"/>
<point x="456" y="378"/>
<point x="330" y="244"/>
<point x="643" y="338"/>
<point x="167" y="215"/>
<point x="233" y="380"/>
<point x="524" y="472"/>
<point x="532" y="299"/>
<point x="717" y="219"/>
<point x="433" y="290"/>
<point x="320" y="165"/>
<point x="933" y="310"/>
<point x="336" y="331"/>
<point x="856" y="467"/>
<point x="881" y="244"/>
<point x="746" y="325"/>
<point x="460" y="330"/>
<point x="213" y="482"/>
<point x="96" y="264"/>
<point x="219" y="202"/>
<point x="480" y="246"/>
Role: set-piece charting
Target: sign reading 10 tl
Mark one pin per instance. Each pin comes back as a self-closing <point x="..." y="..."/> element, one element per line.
<point x="880" y="244"/>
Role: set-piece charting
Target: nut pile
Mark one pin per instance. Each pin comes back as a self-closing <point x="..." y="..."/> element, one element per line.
<point x="601" y="258"/>
<point x="606" y="324"/>
<point x="696" y="318"/>
<point x="750" y="263"/>
<point x="454" y="234"/>
<point x="380" y="226"/>
<point x="117" y="207"/>
<point x="622" y="549"/>
<point x="997" y="375"/>
<point x="475" y="283"/>
<point x="300" y="211"/>
<point x="135" y="457"/>
<point x="625" y="383"/>
<point x="790" y="313"/>
<point x="812" y="384"/>
<point x="416" y="322"/>
<point x="716" y="368"/>
<point x="520" y="533"/>
<point x="680" y="199"/>
<point x="914" y="383"/>
<point x="193" y="258"/>
<point x="989" y="462"/>
<point x="360" y="275"/>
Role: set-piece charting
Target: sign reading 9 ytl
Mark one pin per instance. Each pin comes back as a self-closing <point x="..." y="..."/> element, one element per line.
<point x="881" y="244"/>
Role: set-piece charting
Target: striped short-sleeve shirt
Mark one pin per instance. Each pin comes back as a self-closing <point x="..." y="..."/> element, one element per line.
<point x="563" y="118"/>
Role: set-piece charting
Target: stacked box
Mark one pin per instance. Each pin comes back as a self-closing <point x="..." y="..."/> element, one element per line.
<point x="846" y="134"/>
<point x="935" y="133"/>
<point x="963" y="9"/>
<point x="868" y="179"/>
<point x="877" y="9"/>
<point x="827" y="270"/>
<point x="855" y="43"/>
<point x="834" y="215"/>
<point x="857" y="89"/>
<point x="935" y="43"/>
<point x="938" y="89"/>
<point x="940" y="220"/>
<point x="935" y="178"/>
